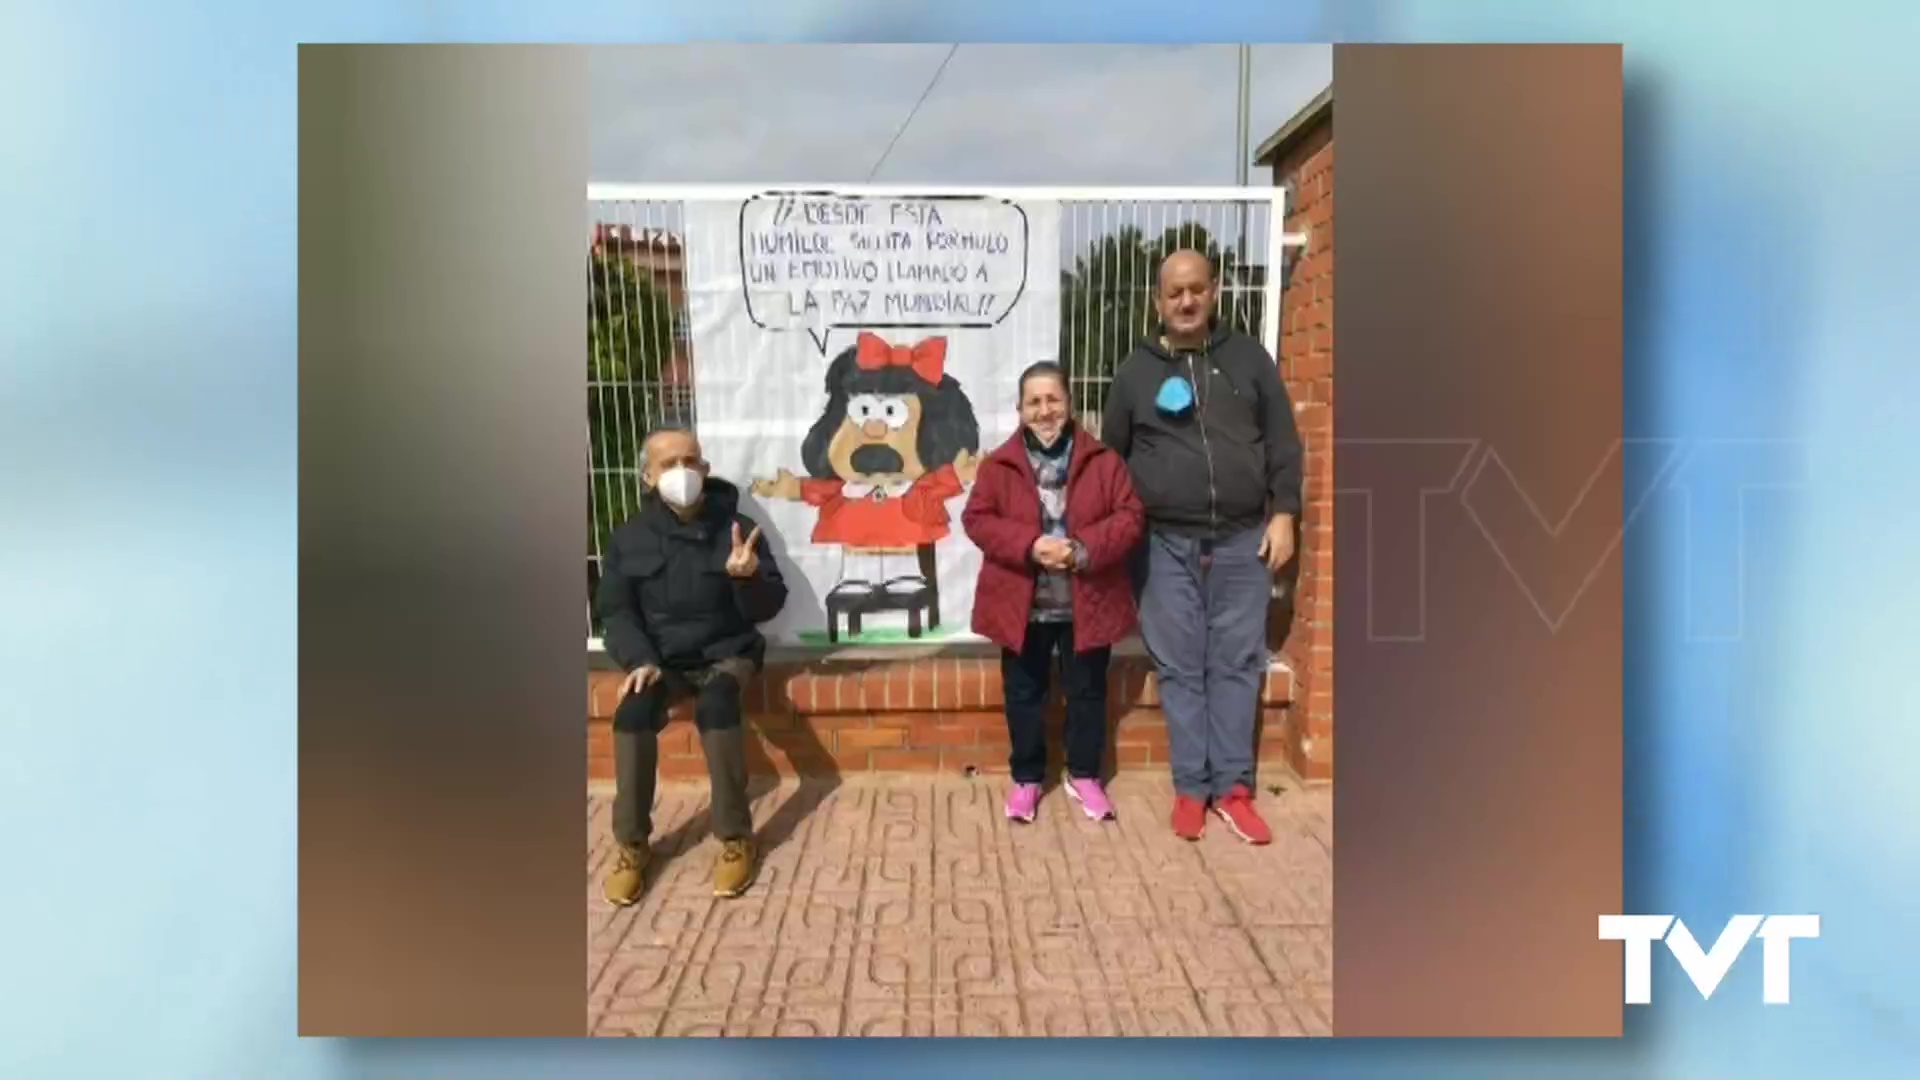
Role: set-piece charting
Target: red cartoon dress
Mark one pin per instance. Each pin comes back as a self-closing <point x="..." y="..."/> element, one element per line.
<point x="857" y="516"/>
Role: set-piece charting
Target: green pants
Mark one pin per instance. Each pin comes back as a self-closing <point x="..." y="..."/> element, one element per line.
<point x="636" y="749"/>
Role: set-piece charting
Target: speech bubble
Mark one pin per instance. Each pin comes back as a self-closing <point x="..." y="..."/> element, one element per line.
<point x="820" y="261"/>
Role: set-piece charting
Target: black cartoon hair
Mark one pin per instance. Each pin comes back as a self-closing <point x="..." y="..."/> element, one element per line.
<point x="947" y="422"/>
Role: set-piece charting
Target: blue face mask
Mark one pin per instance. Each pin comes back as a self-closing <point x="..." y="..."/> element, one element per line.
<point x="1175" y="397"/>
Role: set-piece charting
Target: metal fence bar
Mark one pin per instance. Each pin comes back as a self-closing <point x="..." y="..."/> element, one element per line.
<point x="1112" y="239"/>
<point x="629" y="326"/>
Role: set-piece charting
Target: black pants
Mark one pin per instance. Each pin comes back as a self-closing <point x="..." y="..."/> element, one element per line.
<point x="1027" y="675"/>
<point x="636" y="749"/>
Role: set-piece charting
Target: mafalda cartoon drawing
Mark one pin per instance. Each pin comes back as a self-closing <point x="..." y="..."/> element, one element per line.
<point x="897" y="439"/>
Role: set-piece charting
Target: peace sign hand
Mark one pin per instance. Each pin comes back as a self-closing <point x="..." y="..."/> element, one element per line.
<point x="744" y="561"/>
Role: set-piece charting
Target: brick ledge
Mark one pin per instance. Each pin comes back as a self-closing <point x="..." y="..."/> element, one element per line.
<point x="941" y="683"/>
<point x="828" y="718"/>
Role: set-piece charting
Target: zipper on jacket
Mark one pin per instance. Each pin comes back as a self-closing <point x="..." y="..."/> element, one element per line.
<point x="1206" y="445"/>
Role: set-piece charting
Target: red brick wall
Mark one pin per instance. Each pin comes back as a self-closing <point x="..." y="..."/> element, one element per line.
<point x="850" y="716"/>
<point x="1306" y="362"/>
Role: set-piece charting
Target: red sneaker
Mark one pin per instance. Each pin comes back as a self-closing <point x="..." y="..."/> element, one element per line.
<point x="1189" y="817"/>
<point x="1236" y="809"/>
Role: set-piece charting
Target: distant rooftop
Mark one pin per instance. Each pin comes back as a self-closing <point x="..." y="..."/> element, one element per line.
<point x="622" y="235"/>
<point x="1295" y="129"/>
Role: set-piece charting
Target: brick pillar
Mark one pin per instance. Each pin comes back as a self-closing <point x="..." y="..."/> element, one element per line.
<point x="1306" y="363"/>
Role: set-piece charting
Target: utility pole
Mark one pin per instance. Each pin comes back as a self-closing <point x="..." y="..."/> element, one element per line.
<point x="1241" y="153"/>
<point x="1246" y="95"/>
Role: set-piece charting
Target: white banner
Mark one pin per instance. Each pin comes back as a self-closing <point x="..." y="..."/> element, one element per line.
<point x="852" y="358"/>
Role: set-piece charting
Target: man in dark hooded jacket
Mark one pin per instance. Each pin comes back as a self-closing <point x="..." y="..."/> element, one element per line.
<point x="1207" y="430"/>
<point x="684" y="585"/>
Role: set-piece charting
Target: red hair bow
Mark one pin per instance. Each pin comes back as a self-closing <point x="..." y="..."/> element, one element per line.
<point x="928" y="359"/>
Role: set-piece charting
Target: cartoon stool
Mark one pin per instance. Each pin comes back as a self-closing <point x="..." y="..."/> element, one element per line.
<point x="916" y="594"/>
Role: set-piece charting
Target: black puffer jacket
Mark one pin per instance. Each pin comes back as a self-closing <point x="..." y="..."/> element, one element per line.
<point x="665" y="597"/>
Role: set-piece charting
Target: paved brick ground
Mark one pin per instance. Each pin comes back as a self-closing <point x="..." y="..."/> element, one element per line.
<point x="908" y="905"/>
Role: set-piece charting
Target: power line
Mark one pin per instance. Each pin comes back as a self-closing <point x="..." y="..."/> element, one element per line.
<point x="915" y="111"/>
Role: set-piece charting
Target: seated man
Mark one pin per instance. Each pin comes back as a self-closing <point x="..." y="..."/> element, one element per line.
<point x="684" y="584"/>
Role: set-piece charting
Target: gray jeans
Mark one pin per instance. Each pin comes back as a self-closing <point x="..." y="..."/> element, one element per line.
<point x="1203" y="618"/>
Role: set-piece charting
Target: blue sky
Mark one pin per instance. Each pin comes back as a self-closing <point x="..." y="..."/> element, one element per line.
<point x="1008" y="114"/>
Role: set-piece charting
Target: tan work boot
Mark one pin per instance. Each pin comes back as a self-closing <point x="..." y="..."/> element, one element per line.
<point x="735" y="869"/>
<point x="623" y="882"/>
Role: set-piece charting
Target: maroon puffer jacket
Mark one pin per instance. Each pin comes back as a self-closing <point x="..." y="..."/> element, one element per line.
<point x="1002" y="519"/>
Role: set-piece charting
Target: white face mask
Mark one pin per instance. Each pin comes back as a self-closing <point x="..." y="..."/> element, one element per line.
<point x="680" y="487"/>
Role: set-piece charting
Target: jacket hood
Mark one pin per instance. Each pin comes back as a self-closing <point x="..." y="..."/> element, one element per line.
<point x="1216" y="337"/>
<point x="1014" y="451"/>
<point x="721" y="496"/>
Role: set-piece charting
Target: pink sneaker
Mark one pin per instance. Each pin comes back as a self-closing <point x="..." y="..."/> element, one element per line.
<point x="1023" y="803"/>
<point x="1091" y="797"/>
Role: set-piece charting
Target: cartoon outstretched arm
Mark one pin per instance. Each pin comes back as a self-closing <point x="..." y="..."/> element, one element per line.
<point x="966" y="465"/>
<point x="926" y="501"/>
<point x="785" y="485"/>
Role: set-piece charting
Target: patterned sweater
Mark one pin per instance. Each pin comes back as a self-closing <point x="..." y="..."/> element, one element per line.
<point x="1052" y="592"/>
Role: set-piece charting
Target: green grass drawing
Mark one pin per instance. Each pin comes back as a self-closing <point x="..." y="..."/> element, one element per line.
<point x="879" y="635"/>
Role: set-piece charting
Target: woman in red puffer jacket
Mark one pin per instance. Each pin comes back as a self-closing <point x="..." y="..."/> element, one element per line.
<point x="1055" y="516"/>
